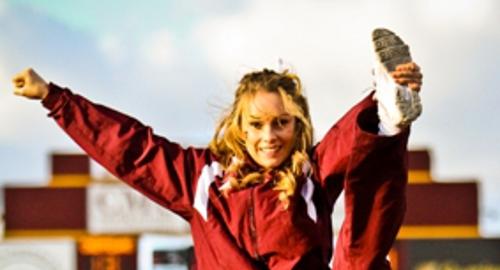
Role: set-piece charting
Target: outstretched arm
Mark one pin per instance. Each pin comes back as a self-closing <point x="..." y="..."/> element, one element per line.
<point x="160" y="169"/>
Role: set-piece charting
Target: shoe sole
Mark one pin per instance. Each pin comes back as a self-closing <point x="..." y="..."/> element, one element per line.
<point x="390" y="49"/>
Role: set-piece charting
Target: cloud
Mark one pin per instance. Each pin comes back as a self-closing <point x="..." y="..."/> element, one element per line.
<point x="158" y="48"/>
<point x="3" y="7"/>
<point x="330" y="50"/>
<point x="4" y="76"/>
<point x="112" y="48"/>
<point x="462" y="15"/>
<point x="329" y="44"/>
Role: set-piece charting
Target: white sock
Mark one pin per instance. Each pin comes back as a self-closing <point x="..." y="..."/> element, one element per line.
<point x="397" y="105"/>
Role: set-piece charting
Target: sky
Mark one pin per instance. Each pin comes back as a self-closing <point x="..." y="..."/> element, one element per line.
<point x="175" y="64"/>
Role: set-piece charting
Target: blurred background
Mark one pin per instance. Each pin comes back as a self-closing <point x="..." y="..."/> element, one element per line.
<point x="174" y="65"/>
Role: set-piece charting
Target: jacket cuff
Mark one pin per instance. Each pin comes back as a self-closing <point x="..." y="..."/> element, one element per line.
<point x="55" y="99"/>
<point x="367" y="125"/>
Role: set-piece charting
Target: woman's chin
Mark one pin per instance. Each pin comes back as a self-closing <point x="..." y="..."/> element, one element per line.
<point x="271" y="163"/>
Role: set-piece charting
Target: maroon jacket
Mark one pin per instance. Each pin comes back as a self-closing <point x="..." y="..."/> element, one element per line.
<point x="249" y="228"/>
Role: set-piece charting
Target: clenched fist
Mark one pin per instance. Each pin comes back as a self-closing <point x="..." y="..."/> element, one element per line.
<point x="29" y="84"/>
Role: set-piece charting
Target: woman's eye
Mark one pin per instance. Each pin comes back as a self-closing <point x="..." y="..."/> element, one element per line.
<point x="256" y="125"/>
<point x="282" y="122"/>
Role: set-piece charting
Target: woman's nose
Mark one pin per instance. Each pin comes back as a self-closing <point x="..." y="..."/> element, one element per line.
<point x="268" y="133"/>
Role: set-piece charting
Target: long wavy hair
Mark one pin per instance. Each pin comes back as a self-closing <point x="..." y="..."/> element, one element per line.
<point x="228" y="142"/>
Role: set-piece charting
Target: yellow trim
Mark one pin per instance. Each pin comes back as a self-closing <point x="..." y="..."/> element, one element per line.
<point x="105" y="262"/>
<point x="439" y="231"/>
<point x="419" y="176"/>
<point x="44" y="233"/>
<point x="109" y="245"/>
<point x="88" y="244"/>
<point x="70" y="180"/>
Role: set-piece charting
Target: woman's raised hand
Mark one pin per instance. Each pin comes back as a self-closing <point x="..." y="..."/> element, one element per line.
<point x="408" y="74"/>
<point x="30" y="85"/>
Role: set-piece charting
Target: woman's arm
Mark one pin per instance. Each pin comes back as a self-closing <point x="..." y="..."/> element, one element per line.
<point x="158" y="168"/>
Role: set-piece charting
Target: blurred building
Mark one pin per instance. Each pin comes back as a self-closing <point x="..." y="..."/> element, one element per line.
<point x="78" y="222"/>
<point x="440" y="230"/>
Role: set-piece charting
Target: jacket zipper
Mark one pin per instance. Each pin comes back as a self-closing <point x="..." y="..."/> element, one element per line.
<point x="253" y="230"/>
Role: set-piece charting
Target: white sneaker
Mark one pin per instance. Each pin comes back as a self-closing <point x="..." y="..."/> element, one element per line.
<point x="398" y="105"/>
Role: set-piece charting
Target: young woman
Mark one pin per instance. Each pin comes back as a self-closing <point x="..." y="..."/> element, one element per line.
<point x="261" y="195"/>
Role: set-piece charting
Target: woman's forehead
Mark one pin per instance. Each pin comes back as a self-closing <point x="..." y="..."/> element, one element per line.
<point x="265" y="104"/>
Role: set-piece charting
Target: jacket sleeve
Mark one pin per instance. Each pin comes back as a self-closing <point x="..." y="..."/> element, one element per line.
<point x="372" y="171"/>
<point x="160" y="169"/>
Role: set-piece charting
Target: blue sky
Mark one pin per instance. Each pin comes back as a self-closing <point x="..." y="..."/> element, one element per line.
<point x="174" y="65"/>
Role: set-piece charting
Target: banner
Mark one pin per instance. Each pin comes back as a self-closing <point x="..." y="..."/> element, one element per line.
<point x="56" y="254"/>
<point x="118" y="209"/>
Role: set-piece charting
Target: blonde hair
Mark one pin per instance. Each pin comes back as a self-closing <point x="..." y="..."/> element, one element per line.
<point x="228" y="142"/>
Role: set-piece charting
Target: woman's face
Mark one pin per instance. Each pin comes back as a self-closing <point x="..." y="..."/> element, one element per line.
<point x="269" y="130"/>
